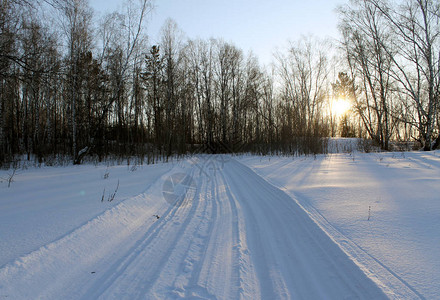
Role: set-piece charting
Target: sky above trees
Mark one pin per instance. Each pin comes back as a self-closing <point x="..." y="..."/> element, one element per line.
<point x="252" y="25"/>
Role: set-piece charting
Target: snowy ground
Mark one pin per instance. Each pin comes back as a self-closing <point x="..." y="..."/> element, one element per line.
<point x="399" y="245"/>
<point x="247" y="228"/>
<point x="45" y="204"/>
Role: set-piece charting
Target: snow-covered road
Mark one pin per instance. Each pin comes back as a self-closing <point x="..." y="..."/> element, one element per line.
<point x="234" y="236"/>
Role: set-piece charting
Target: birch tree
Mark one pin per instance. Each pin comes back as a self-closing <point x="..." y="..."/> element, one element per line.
<point x="369" y="56"/>
<point x="416" y="25"/>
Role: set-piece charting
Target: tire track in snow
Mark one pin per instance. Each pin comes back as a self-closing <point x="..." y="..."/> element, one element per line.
<point x="207" y="262"/>
<point x="144" y="269"/>
<point x="183" y="266"/>
<point x="185" y="269"/>
<point x="206" y="269"/>
<point x="292" y="255"/>
<point x="217" y="273"/>
<point x="146" y="242"/>
<point x="270" y="282"/>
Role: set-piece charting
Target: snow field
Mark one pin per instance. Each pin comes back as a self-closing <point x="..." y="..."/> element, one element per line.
<point x="398" y="246"/>
<point x="45" y="204"/>
<point x="297" y="230"/>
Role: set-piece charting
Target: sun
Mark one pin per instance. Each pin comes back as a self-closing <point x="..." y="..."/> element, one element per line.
<point x="340" y="107"/>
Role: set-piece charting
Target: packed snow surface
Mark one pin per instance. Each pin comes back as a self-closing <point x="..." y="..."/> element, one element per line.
<point x="382" y="209"/>
<point x="341" y="226"/>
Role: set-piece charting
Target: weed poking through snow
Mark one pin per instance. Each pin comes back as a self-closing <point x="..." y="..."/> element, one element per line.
<point x="106" y="174"/>
<point x="10" y="177"/>
<point x="111" y="196"/>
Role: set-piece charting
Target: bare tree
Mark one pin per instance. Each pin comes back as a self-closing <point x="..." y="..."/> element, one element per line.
<point x="9" y="29"/>
<point x="77" y="29"/>
<point x="415" y="24"/>
<point x="122" y="47"/>
<point x="207" y="89"/>
<point x="171" y="46"/>
<point x="153" y="78"/>
<point x="304" y="74"/>
<point x="369" y="56"/>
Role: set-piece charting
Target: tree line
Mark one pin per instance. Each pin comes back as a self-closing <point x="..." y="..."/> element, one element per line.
<point x="98" y="89"/>
<point x="392" y="54"/>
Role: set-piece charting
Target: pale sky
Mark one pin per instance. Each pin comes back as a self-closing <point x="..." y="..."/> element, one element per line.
<point x="260" y="26"/>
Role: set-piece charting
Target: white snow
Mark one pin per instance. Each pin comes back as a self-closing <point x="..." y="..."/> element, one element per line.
<point x="45" y="204"/>
<point x="297" y="230"/>
<point x="399" y="246"/>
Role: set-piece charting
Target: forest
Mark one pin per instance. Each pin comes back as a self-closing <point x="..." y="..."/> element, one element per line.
<point x="72" y="87"/>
